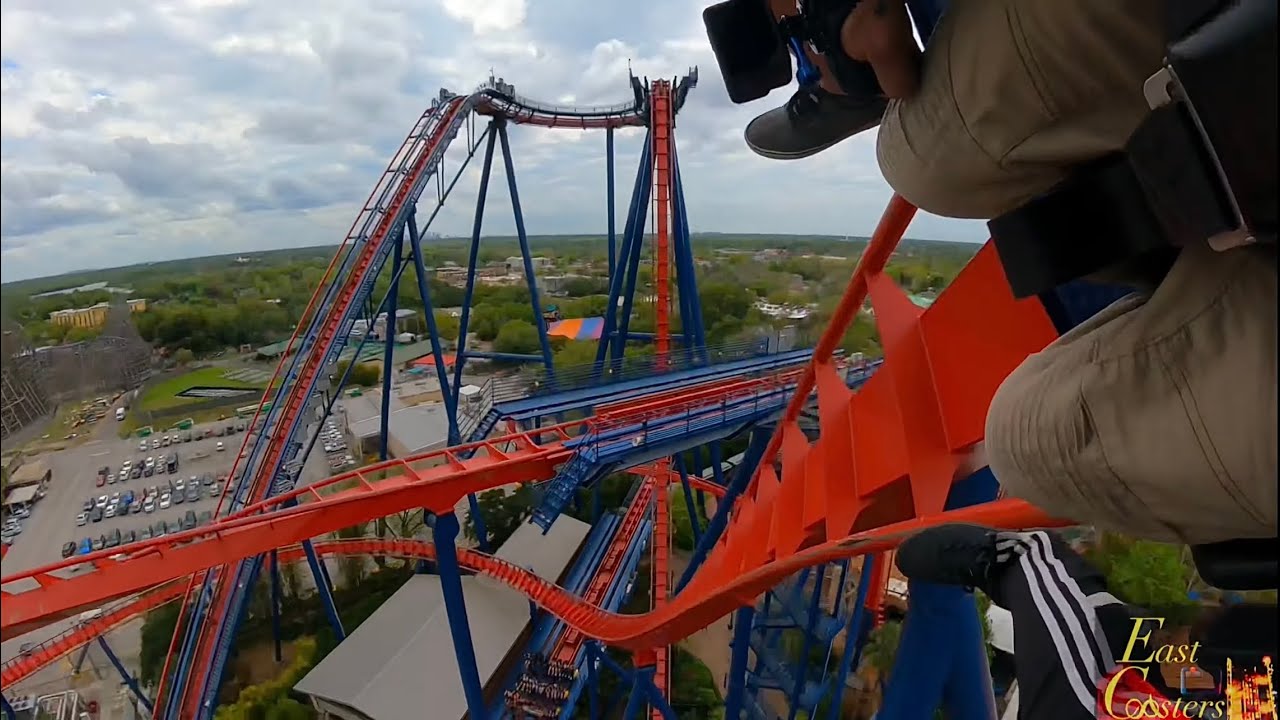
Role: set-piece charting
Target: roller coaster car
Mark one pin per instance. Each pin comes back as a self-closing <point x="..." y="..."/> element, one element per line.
<point x="1200" y="168"/>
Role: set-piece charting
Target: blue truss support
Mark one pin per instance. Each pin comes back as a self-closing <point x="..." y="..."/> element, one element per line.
<point x="473" y="259"/>
<point x="275" y="607"/>
<point x="855" y="635"/>
<point x="610" y="210"/>
<point x="633" y="267"/>
<point x="687" y="273"/>
<point x="325" y="589"/>
<point x="593" y="681"/>
<point x="389" y="343"/>
<point x="79" y="663"/>
<point x="525" y="255"/>
<point x="609" y="336"/>
<point x="444" y="531"/>
<point x="449" y="395"/>
<point x="507" y="357"/>
<point x="11" y="714"/>
<point x="802" y="664"/>
<point x="942" y="660"/>
<point x="755" y="451"/>
<point x="739" y="652"/>
<point x="124" y="674"/>
<point x="650" y="691"/>
<point x="635" y="701"/>
<point x="433" y="331"/>
<point x="688" y="500"/>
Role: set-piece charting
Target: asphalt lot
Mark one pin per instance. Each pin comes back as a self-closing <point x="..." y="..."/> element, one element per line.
<point x="53" y="519"/>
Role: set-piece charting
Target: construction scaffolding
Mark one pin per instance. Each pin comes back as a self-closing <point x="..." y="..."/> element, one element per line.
<point x="23" y="399"/>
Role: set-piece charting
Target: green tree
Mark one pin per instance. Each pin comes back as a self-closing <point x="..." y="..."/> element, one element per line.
<point x="183" y="356"/>
<point x="502" y="513"/>
<point x="575" y="353"/>
<point x="286" y="708"/>
<point x="1146" y="573"/>
<point x="157" y="630"/>
<point x="447" y="325"/>
<point x="517" y="337"/>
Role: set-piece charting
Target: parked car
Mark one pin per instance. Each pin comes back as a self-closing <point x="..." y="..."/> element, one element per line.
<point x="206" y="517"/>
<point x="144" y="533"/>
<point x="114" y="539"/>
<point x="158" y="529"/>
<point x="131" y="536"/>
<point x="96" y="515"/>
<point x="99" y="542"/>
<point x="68" y="549"/>
<point x="86" y="547"/>
<point x="189" y="520"/>
<point x="82" y="519"/>
<point x="88" y="505"/>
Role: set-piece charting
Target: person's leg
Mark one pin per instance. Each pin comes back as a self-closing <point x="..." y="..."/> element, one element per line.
<point x="1157" y="417"/>
<point x="815" y="118"/>
<point x="1067" y="629"/>
<point x="1014" y="93"/>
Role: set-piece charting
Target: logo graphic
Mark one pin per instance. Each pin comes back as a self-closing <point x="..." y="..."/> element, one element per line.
<point x="1200" y="693"/>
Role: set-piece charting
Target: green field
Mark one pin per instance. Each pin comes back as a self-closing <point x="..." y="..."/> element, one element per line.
<point x="164" y="395"/>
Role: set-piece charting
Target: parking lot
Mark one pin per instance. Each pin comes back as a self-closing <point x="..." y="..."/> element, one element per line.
<point x="53" y="520"/>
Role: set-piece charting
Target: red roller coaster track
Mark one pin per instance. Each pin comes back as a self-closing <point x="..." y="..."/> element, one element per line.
<point x="880" y="470"/>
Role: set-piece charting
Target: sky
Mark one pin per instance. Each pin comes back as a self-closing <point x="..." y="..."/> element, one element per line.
<point x="146" y="130"/>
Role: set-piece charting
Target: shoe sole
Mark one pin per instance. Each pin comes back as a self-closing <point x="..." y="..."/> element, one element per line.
<point x="801" y="154"/>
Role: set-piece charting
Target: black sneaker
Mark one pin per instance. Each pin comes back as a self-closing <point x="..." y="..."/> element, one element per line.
<point x="810" y="122"/>
<point x="965" y="555"/>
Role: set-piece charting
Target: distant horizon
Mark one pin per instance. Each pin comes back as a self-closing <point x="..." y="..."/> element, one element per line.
<point x="244" y="253"/>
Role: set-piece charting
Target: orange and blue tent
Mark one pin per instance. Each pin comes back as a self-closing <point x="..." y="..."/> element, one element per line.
<point x="577" y="328"/>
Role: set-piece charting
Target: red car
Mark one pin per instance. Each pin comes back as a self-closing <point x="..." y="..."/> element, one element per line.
<point x="102" y="480"/>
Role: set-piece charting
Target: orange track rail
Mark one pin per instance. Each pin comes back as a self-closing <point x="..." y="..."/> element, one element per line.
<point x="660" y="122"/>
<point x="880" y="471"/>
<point x="661" y="558"/>
<point x="311" y="366"/>
<point x="566" y="649"/>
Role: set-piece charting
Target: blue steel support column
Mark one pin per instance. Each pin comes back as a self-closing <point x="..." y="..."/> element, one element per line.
<point x="634" y="210"/>
<point x="688" y="274"/>
<point x="275" y="606"/>
<point x="736" y="687"/>
<point x="473" y="259"/>
<point x="609" y="208"/>
<point x="593" y="689"/>
<point x="433" y="331"/>
<point x="450" y="395"/>
<point x="755" y="450"/>
<point x="79" y="663"/>
<point x="124" y="674"/>
<point x="854" y="634"/>
<point x="444" y="531"/>
<point x="802" y="665"/>
<point x="941" y="656"/>
<point x="393" y="304"/>
<point x="694" y="523"/>
<point x="321" y="574"/>
<point x="632" y="271"/>
<point x="8" y="709"/>
<point x="534" y="300"/>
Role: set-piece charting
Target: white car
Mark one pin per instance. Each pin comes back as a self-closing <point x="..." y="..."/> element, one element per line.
<point x="220" y="446"/>
<point x="102" y="501"/>
<point x="165" y="501"/>
<point x="142" y="446"/>
<point x="110" y="511"/>
<point x="149" y="506"/>
<point x="82" y="519"/>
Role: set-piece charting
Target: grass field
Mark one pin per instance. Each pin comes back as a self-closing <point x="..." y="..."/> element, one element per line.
<point x="164" y="395"/>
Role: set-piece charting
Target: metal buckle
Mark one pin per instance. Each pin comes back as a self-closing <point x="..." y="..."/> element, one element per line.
<point x="1163" y="88"/>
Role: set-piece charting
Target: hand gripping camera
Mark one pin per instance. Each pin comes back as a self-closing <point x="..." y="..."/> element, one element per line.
<point x="754" y="49"/>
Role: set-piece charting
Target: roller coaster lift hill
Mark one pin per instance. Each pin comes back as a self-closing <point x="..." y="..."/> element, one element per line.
<point x="754" y="50"/>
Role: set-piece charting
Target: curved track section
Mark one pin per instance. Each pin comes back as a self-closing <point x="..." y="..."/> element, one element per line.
<point x="806" y="516"/>
<point x="274" y="463"/>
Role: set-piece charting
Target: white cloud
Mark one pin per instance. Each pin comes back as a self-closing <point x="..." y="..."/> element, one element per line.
<point x="137" y="131"/>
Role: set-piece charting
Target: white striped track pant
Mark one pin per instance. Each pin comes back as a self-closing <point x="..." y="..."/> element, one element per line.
<point x="1068" y="630"/>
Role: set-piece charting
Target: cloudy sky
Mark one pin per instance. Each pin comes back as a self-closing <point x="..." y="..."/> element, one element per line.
<point x="141" y="130"/>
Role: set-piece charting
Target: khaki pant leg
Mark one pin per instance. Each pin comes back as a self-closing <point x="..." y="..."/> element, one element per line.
<point x="1157" y="418"/>
<point x="1015" y="92"/>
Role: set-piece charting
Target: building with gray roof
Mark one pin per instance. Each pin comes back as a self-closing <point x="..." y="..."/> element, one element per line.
<point x="400" y="664"/>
